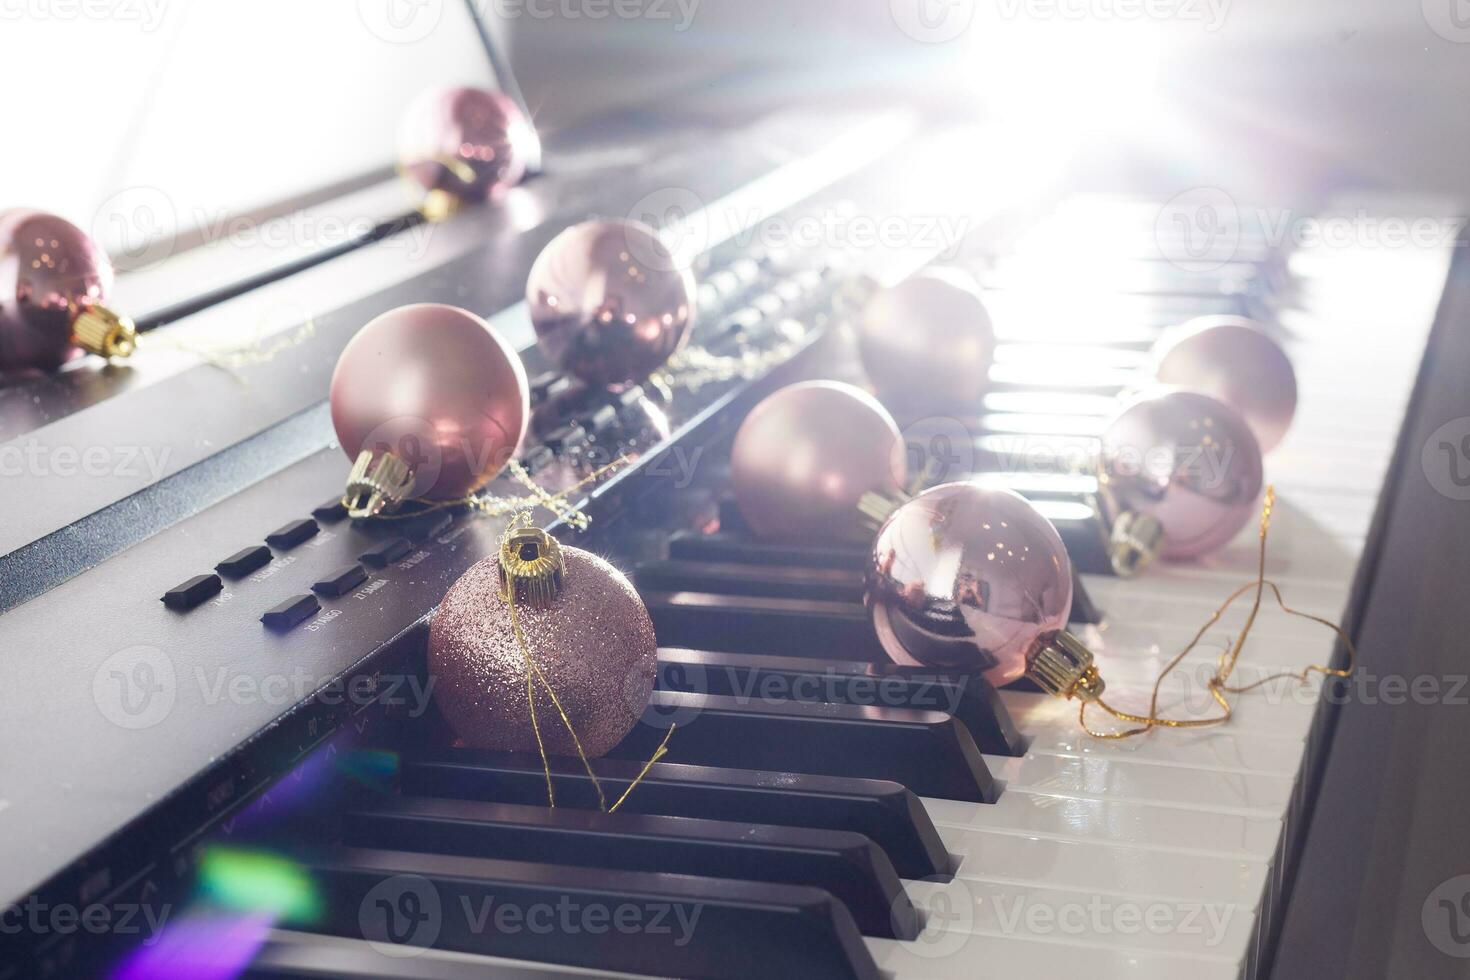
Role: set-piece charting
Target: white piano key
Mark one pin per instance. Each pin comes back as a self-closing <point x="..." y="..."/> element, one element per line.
<point x="1086" y="777"/>
<point x="1221" y="747"/>
<point x="964" y="956"/>
<point x="1061" y="817"/>
<point x="1211" y="930"/>
<point x="1105" y="868"/>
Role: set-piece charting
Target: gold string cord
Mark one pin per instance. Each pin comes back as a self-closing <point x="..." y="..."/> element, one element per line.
<point x="1218" y="683"/>
<point x="256" y="348"/>
<point x="534" y="674"/>
<point x="491" y="505"/>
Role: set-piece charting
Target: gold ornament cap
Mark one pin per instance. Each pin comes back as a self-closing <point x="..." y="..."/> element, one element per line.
<point x="531" y="563"/>
<point x="1134" y="542"/>
<point x="1064" y="669"/>
<point x="377" y="482"/>
<point x="101" y="331"/>
<point x="876" y="508"/>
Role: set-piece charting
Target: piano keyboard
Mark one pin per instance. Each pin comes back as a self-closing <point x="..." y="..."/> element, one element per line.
<point x="822" y="813"/>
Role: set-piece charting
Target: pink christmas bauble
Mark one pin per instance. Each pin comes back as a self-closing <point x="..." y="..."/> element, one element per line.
<point x="438" y="387"/>
<point x="610" y="303"/>
<point x="1233" y="359"/>
<point x="967" y="578"/>
<point x="804" y="457"/>
<point x="1185" y="459"/>
<point x="50" y="271"/>
<point x="594" y="643"/>
<point x="469" y="142"/>
<point x="928" y="342"/>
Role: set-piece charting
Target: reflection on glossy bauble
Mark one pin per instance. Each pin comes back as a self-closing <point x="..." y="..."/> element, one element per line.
<point x="805" y="456"/>
<point x="928" y="342"/>
<point x="595" y="644"/>
<point x="1188" y="461"/>
<point x="468" y="142"/>
<point x="50" y="272"/>
<point x="1233" y="359"/>
<point x="970" y="579"/>
<point x="437" y="387"/>
<point x="609" y="302"/>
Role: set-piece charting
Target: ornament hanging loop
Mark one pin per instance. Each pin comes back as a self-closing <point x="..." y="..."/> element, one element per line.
<point x="531" y="563"/>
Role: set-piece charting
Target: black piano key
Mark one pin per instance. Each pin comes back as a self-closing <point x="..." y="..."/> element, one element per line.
<point x="927" y="751"/>
<point x="848" y="865"/>
<point x="290" y="955"/>
<point x="737" y="548"/>
<point x="671" y="925"/>
<point x="882" y="810"/>
<point x="968" y="697"/>
<point x="737" y="578"/>
<point x="764" y="624"/>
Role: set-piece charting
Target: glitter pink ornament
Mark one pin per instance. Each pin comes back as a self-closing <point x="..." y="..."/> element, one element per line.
<point x="610" y="303"/>
<point x="592" y="640"/>
<point x="805" y="456"/>
<point x="54" y="280"/>
<point x="1234" y="360"/>
<point x="430" y="402"/>
<point x="1179" y="474"/>
<point x="471" y="143"/>
<point x="977" y="580"/>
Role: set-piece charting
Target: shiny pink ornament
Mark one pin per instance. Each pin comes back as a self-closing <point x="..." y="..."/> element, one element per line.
<point x="967" y="578"/>
<point x="595" y="644"/>
<point x="469" y="142"/>
<point x="928" y="342"/>
<point x="1187" y="460"/>
<point x="805" y="456"/>
<point x="437" y="387"/>
<point x="50" y="271"/>
<point x="609" y="301"/>
<point x="1233" y="359"/>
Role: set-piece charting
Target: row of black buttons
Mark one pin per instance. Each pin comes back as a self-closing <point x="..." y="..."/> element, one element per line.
<point x="292" y="612"/>
<point x="201" y="588"/>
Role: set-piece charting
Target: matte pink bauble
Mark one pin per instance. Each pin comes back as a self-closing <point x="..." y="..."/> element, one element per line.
<point x="594" y="643"/>
<point x="805" y="456"/>
<point x="1233" y="359"/>
<point x="609" y="301"/>
<point x="437" y="387"/>
<point x="52" y="274"/>
<point x="1185" y="459"/>
<point x="928" y="341"/>
<point x="469" y="142"/>
<point x="967" y="578"/>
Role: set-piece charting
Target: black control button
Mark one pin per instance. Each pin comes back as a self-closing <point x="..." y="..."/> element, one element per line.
<point x="330" y="512"/>
<point x="426" y="526"/>
<point x="568" y="439"/>
<point x="341" y="582"/>
<point x="600" y="419"/>
<point x="290" y="535"/>
<point x="187" y="595"/>
<point x="385" y="553"/>
<point x="549" y="387"/>
<point x="242" y="563"/>
<point x="291" y="612"/>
